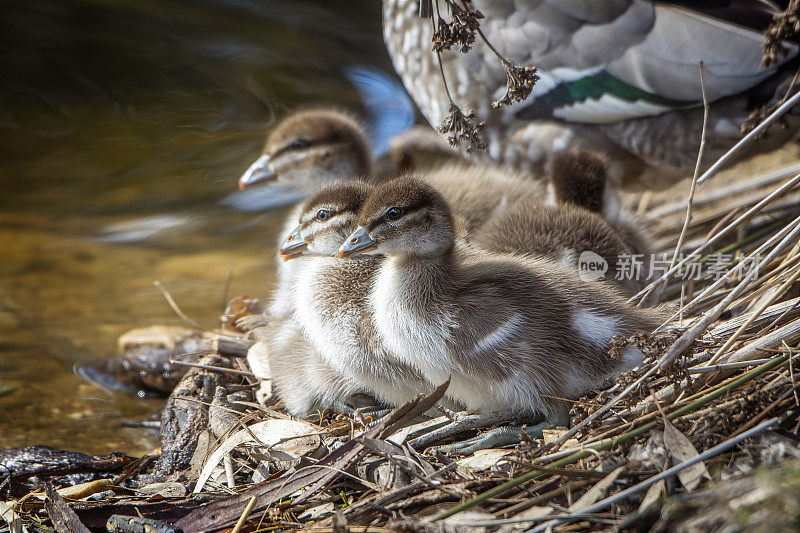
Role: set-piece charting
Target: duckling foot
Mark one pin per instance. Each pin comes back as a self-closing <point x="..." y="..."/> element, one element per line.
<point x="458" y="423"/>
<point x="250" y="322"/>
<point x="494" y="438"/>
<point x="359" y="413"/>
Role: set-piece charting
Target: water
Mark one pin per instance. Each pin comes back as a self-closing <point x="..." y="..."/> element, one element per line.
<point x="124" y="125"/>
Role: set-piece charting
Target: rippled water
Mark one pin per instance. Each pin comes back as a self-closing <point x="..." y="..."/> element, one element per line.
<point x="123" y="127"/>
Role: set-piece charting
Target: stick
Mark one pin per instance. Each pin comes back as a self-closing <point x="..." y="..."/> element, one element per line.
<point x="214" y="368"/>
<point x="227" y="287"/>
<point x="790" y="103"/>
<point x="779" y="235"/>
<point x="753" y="316"/>
<point x="174" y="306"/>
<point x="642" y="294"/>
<point x="690" y="202"/>
<point x="242" y="519"/>
<point x="685" y="340"/>
<point x="726" y="366"/>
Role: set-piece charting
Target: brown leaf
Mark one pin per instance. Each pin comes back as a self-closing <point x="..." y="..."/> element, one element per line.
<point x="653" y="496"/>
<point x="596" y="492"/>
<point x="681" y="449"/>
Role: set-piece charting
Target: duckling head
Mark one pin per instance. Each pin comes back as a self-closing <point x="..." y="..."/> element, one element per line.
<point x="405" y="216"/>
<point x="327" y="217"/>
<point x="578" y="177"/>
<point x="309" y="148"/>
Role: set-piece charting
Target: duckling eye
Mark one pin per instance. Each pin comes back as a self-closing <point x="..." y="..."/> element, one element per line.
<point x="394" y="213"/>
<point x="298" y="144"/>
<point x="323" y="215"/>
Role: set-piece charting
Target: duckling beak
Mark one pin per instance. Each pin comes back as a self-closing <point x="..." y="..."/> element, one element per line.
<point x="358" y="241"/>
<point x="259" y="172"/>
<point x="293" y="245"/>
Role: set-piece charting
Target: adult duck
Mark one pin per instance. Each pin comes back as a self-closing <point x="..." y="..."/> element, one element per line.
<point x="620" y="76"/>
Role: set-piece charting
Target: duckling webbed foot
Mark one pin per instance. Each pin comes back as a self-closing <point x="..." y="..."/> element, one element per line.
<point x="251" y="322"/>
<point x="494" y="438"/>
<point x="358" y="409"/>
<point x="453" y="424"/>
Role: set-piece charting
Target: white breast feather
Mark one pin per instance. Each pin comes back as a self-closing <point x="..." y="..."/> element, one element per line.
<point x="418" y="341"/>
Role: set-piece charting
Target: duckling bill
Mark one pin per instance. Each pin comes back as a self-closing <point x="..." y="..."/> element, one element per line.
<point x="293" y="245"/>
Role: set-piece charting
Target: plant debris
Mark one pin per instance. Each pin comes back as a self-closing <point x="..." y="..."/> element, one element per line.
<point x="783" y="28"/>
<point x="519" y="84"/>
<point x="464" y="129"/>
<point x="460" y="31"/>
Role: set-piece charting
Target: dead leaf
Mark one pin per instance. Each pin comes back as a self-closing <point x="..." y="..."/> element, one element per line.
<point x="82" y="490"/>
<point x="552" y="434"/>
<point x="681" y="449"/>
<point x="167" y="490"/>
<point x="480" y="461"/>
<point x="653" y="496"/>
<point x="13" y="520"/>
<point x="227" y="510"/>
<point x="283" y="440"/>
<point x="530" y="514"/>
<point x="597" y="492"/>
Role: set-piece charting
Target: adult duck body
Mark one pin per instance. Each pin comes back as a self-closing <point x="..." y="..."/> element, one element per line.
<point x="621" y="76"/>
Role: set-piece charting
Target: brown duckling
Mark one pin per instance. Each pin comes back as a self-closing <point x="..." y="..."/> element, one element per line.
<point x="513" y="334"/>
<point x="311" y="148"/>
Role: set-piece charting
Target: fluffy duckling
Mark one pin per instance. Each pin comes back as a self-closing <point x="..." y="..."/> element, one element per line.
<point x="572" y="226"/>
<point x="311" y="147"/>
<point x="579" y="177"/>
<point x="330" y="302"/>
<point x="513" y="334"/>
<point x="304" y="150"/>
<point x="315" y="147"/>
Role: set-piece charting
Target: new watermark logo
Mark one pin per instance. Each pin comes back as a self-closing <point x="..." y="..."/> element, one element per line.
<point x="591" y="267"/>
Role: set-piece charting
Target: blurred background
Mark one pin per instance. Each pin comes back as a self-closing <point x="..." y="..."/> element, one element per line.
<point x="124" y="125"/>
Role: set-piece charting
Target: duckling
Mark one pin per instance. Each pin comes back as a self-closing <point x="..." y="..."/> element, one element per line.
<point x="513" y="334"/>
<point x="572" y="227"/>
<point x="311" y="148"/>
<point x="330" y="302"/>
<point x="621" y="77"/>
<point x="578" y="177"/>
<point x="305" y="149"/>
